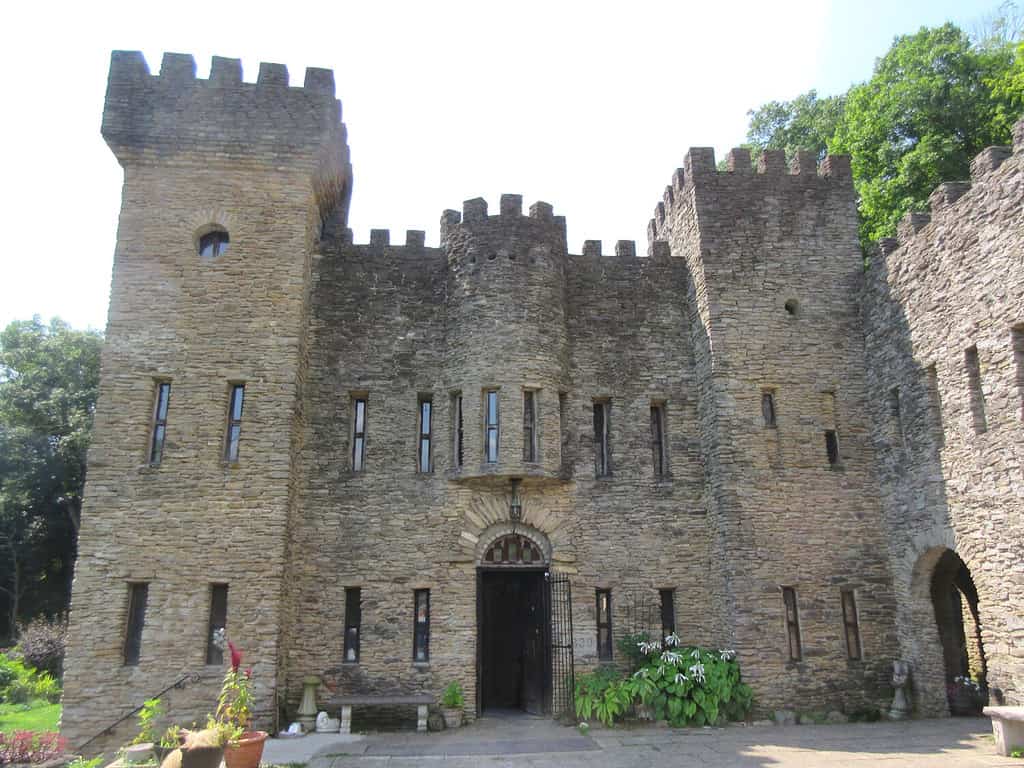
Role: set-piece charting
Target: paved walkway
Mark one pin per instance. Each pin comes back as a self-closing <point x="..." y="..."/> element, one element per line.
<point x="529" y="742"/>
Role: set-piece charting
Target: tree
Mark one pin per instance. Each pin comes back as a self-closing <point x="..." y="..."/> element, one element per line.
<point x="927" y="110"/>
<point x="49" y="376"/>
<point x="806" y="122"/>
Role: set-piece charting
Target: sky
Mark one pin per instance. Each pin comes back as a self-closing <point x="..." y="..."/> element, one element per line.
<point x="586" y="105"/>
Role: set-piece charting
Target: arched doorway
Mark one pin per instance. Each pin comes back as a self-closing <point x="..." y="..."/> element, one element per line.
<point x="955" y="602"/>
<point x="513" y="664"/>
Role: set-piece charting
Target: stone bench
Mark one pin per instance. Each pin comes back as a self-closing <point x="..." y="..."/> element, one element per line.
<point x="419" y="700"/>
<point x="1007" y="727"/>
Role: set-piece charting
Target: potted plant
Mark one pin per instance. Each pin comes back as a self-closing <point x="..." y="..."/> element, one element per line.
<point x="205" y="748"/>
<point x="141" y="748"/>
<point x="234" y="710"/>
<point x="452" y="702"/>
<point x="169" y="742"/>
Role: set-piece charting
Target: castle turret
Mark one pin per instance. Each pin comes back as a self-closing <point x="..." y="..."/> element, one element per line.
<point x="506" y="334"/>
<point x="227" y="186"/>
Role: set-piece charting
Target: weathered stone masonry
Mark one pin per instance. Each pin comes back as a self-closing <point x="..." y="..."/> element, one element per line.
<point x="753" y="283"/>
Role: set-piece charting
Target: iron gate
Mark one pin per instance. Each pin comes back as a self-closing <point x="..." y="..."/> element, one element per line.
<point x="563" y="676"/>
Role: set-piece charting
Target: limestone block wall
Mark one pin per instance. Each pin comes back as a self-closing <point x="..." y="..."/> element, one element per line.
<point x="954" y="280"/>
<point x="776" y="275"/>
<point x="201" y="324"/>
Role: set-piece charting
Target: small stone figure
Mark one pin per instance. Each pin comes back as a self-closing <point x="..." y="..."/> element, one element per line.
<point x="900" y="675"/>
<point x="327" y="724"/>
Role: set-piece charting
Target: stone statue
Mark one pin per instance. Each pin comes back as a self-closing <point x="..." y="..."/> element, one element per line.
<point x="327" y="724"/>
<point x="900" y="677"/>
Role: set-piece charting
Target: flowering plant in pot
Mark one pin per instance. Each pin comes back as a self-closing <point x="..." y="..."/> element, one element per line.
<point x="234" y="710"/>
<point x="452" y="702"/>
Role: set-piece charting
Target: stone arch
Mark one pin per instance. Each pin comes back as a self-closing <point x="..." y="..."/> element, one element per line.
<point x="497" y="531"/>
<point x="947" y="627"/>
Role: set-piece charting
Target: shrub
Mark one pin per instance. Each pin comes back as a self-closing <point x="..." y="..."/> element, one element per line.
<point x="30" y="747"/>
<point x="41" y="644"/>
<point x="683" y="685"/>
<point x="20" y="684"/>
<point x="452" y="697"/>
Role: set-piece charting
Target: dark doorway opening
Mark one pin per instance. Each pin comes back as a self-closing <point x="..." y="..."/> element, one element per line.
<point x="513" y="663"/>
<point x="955" y="599"/>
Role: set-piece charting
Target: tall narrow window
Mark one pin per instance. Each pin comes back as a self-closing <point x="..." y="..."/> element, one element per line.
<point x="792" y="623"/>
<point x="934" y="397"/>
<point x="353" y="621"/>
<point x="358" y="434"/>
<point x="896" y="414"/>
<point x="973" y="367"/>
<point x="768" y="407"/>
<point x="156" y="446"/>
<point x="851" y="625"/>
<point x="491" y="425"/>
<point x="604" y="624"/>
<point x="234" y="422"/>
<point x="425" y="459"/>
<point x="529" y="425"/>
<point x="138" y="593"/>
<point x="457" y="430"/>
<point x="668" y="612"/>
<point x="658" y="453"/>
<point x="1017" y="339"/>
<point x="832" y="447"/>
<point x="218" y="622"/>
<point x="602" y="459"/>
<point x="421" y="626"/>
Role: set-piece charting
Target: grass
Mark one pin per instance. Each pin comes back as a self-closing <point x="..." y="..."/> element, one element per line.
<point x="42" y="718"/>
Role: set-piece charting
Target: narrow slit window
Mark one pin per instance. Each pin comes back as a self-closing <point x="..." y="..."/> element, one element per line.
<point x="421" y="626"/>
<point x="1017" y="339"/>
<point x="604" y="624"/>
<point x="896" y="414"/>
<point x="425" y="459"/>
<point x="457" y="430"/>
<point x="491" y="425"/>
<point x="353" y="622"/>
<point x="832" y="447"/>
<point x="234" y="422"/>
<point x="658" y="453"/>
<point x="851" y="624"/>
<point x="668" y="612"/>
<point x="563" y="429"/>
<point x="156" y="446"/>
<point x="768" y="408"/>
<point x="792" y="623"/>
<point x="218" y="622"/>
<point x="138" y="594"/>
<point x="602" y="459"/>
<point x="358" y="434"/>
<point x="973" y="366"/>
<point x="529" y="425"/>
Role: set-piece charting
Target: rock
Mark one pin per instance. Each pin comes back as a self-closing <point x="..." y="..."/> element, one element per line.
<point x="785" y="717"/>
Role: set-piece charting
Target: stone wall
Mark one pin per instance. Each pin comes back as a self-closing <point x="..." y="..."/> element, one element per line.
<point x="954" y="280"/>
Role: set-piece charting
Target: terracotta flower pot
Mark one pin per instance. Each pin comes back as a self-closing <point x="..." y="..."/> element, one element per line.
<point x="201" y="757"/>
<point x="452" y="716"/>
<point x="246" y="752"/>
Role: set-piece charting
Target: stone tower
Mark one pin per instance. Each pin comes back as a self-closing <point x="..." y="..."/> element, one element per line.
<point x="264" y="166"/>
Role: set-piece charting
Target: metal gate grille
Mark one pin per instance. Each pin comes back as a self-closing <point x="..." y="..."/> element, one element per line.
<point x="563" y="676"/>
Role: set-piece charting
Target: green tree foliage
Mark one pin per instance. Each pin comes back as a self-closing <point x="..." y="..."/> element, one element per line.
<point x="49" y="375"/>
<point x="806" y="122"/>
<point x="926" y="112"/>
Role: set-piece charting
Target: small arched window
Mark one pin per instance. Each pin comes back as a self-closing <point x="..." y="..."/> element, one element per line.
<point x="514" y="550"/>
<point x="214" y="244"/>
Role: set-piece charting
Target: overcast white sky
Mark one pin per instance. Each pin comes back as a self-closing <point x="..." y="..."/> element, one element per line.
<point x="587" y="105"/>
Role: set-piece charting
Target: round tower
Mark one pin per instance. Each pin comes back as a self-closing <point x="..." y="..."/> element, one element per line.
<point x="507" y="348"/>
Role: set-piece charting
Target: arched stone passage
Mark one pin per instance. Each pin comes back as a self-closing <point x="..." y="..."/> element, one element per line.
<point x="947" y="615"/>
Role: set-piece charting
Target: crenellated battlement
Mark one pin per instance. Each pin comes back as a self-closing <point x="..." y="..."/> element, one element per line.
<point x="222" y="118"/>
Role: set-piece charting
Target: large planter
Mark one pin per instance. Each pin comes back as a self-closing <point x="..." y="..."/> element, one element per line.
<point x="452" y="716"/>
<point x="201" y="757"/>
<point x="138" y="753"/>
<point x="246" y="752"/>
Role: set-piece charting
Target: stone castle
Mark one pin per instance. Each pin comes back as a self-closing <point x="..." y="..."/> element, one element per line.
<point x="382" y="464"/>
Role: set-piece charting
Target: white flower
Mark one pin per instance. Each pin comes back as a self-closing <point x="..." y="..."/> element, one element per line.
<point x="681" y="678"/>
<point x="695" y="653"/>
<point x="647" y="648"/>
<point x="727" y="655"/>
<point x="642" y="672"/>
<point x="661" y="671"/>
<point x="697" y="671"/>
<point x="671" y="657"/>
<point x="672" y="640"/>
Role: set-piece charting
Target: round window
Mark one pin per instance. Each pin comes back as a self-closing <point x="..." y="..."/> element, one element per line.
<point x="214" y="244"/>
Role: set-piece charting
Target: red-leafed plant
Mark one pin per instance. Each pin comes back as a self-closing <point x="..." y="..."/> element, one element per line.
<point x="30" y="747"/>
<point x="234" y="707"/>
